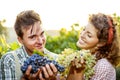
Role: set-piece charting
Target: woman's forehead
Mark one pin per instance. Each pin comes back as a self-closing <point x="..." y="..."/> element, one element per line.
<point x="91" y="28"/>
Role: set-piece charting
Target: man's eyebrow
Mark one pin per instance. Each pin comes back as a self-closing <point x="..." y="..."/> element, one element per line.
<point x="32" y="29"/>
<point x="42" y="32"/>
<point x="31" y="35"/>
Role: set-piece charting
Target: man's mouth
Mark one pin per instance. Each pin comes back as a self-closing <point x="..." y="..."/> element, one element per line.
<point x="39" y="46"/>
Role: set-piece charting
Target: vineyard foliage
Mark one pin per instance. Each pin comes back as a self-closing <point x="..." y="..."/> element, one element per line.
<point x="56" y="44"/>
<point x="3" y="29"/>
<point x="66" y="39"/>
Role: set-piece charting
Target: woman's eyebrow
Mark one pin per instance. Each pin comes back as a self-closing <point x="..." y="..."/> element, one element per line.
<point x="89" y="32"/>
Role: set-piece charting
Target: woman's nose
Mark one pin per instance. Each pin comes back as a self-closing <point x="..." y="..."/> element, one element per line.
<point x="82" y="35"/>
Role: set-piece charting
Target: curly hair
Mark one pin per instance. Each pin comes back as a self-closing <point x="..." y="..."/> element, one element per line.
<point x="110" y="50"/>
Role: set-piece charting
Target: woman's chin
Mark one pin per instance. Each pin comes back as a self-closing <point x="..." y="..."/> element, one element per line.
<point x="79" y="45"/>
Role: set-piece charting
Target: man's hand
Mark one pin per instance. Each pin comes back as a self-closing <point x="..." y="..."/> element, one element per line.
<point x="29" y="76"/>
<point x="49" y="72"/>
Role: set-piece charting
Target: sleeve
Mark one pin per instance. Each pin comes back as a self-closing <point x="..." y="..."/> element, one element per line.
<point x="7" y="67"/>
<point x="104" y="71"/>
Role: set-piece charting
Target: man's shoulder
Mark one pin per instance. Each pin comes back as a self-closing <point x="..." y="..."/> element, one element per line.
<point x="54" y="55"/>
<point x="9" y="55"/>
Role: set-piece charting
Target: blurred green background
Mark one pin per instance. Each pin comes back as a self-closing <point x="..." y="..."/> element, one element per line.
<point x="56" y="43"/>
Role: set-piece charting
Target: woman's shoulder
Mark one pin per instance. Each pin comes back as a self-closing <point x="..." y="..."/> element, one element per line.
<point x="104" y="70"/>
<point x="104" y="62"/>
<point x="104" y="65"/>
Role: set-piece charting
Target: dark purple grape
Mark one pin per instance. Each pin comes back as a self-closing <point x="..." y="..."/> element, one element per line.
<point x="37" y="61"/>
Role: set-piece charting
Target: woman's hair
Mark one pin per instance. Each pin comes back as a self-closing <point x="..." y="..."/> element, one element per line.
<point x="106" y="34"/>
<point x="24" y="19"/>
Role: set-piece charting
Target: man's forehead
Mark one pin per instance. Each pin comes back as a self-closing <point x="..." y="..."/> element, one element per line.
<point x="33" y="29"/>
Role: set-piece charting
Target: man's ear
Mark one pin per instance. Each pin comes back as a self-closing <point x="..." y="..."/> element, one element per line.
<point x="20" y="39"/>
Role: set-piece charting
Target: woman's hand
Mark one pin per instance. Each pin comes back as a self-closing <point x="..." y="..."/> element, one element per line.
<point x="76" y="72"/>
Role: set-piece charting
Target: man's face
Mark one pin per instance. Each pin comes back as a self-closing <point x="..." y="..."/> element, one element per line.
<point x="33" y="38"/>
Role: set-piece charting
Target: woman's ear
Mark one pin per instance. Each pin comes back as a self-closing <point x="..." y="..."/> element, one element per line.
<point x="100" y="44"/>
<point x="20" y="40"/>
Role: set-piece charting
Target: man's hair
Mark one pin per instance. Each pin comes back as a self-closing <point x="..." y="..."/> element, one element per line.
<point x="24" y="19"/>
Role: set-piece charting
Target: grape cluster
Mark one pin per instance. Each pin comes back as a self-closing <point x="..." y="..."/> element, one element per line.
<point x="37" y="61"/>
<point x="80" y="57"/>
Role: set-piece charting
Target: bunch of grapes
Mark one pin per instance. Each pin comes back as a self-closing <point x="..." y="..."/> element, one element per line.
<point x="37" y="61"/>
<point x="80" y="57"/>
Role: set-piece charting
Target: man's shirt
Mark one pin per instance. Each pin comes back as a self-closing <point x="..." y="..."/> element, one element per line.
<point x="8" y="66"/>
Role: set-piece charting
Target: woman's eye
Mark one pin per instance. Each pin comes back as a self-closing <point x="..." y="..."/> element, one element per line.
<point x="89" y="36"/>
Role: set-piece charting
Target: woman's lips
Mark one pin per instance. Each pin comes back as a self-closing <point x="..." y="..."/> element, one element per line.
<point x="81" y="41"/>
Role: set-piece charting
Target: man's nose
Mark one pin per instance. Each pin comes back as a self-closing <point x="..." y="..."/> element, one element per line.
<point x="39" y="40"/>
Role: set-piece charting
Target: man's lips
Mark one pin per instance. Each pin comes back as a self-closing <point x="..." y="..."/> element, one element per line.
<point x="39" y="46"/>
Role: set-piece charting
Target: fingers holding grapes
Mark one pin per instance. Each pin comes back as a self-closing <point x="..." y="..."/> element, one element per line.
<point x="49" y="72"/>
<point x="28" y="76"/>
<point x="76" y="70"/>
<point x="77" y="65"/>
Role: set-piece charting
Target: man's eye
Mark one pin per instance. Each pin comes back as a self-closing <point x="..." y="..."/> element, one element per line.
<point x="32" y="37"/>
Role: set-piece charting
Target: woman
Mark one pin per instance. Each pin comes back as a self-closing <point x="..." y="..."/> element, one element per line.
<point x="99" y="36"/>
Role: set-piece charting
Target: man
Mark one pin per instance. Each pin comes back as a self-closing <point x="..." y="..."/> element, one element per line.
<point x="28" y="27"/>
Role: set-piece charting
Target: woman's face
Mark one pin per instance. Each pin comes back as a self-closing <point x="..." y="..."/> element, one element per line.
<point x="88" y="37"/>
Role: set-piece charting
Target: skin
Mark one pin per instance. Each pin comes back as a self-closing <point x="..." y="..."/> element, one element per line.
<point x="88" y="40"/>
<point x="35" y="40"/>
<point x="88" y="37"/>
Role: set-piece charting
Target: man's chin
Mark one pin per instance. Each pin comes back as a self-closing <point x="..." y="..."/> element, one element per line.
<point x="40" y="50"/>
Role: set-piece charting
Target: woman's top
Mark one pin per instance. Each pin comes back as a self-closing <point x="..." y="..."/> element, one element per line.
<point x="104" y="70"/>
